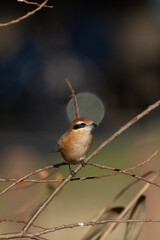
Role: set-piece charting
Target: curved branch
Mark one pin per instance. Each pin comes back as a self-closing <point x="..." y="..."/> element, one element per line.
<point x="57" y="190"/>
<point x="34" y="3"/>
<point x="74" y="97"/>
<point x="25" y="16"/>
<point x="25" y="177"/>
<point x="125" y="172"/>
<point x="74" y="225"/>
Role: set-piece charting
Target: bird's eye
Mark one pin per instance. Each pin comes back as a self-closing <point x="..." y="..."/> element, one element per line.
<point x="80" y="125"/>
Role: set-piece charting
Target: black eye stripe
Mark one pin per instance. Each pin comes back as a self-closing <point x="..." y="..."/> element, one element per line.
<point x="80" y="125"/>
<point x="83" y="124"/>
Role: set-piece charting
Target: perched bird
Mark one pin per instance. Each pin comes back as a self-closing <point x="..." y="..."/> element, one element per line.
<point x="76" y="141"/>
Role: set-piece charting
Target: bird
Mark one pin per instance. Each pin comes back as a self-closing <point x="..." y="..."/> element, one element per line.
<point x="76" y="141"/>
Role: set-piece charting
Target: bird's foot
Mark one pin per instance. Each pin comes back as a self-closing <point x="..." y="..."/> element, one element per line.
<point x="83" y="163"/>
<point x="71" y="171"/>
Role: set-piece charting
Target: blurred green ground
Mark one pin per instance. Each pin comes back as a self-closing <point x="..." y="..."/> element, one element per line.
<point x="81" y="201"/>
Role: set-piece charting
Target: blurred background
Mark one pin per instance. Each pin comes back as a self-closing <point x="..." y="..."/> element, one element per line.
<point x="108" y="48"/>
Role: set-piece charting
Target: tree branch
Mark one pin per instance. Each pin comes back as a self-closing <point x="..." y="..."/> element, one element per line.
<point x="125" y="172"/>
<point x="56" y="191"/>
<point x="25" y="16"/>
<point x="74" y="97"/>
<point x="127" y="208"/>
<point x="34" y="3"/>
<point x="25" y="177"/>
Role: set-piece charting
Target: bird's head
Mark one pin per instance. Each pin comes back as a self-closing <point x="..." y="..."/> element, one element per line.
<point x="82" y="125"/>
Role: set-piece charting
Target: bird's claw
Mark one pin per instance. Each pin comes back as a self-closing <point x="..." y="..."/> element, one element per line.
<point x="83" y="163"/>
<point x="72" y="173"/>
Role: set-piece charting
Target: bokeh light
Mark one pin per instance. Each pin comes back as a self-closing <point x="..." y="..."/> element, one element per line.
<point x="89" y="106"/>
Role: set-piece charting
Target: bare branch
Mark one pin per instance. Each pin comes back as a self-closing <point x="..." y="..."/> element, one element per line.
<point x="11" y="220"/>
<point x="25" y="177"/>
<point x="34" y="3"/>
<point x="127" y="208"/>
<point x="56" y="191"/>
<point x="25" y="16"/>
<point x="74" y="225"/>
<point x="74" y="97"/>
<point x="85" y="224"/>
<point x="122" y="129"/>
<point x="92" y="177"/>
<point x="39" y="238"/>
<point x="126" y="171"/>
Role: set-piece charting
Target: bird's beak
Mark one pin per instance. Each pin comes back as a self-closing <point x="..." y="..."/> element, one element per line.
<point x="94" y="125"/>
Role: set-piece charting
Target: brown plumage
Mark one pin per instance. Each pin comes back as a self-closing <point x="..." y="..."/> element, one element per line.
<point x="76" y="141"/>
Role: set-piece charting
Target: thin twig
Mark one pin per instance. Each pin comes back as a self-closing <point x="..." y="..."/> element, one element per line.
<point x="49" y="199"/>
<point x="84" y="224"/>
<point x="57" y="190"/>
<point x="74" y="97"/>
<point x="25" y="177"/>
<point x="126" y="171"/>
<point x="24" y="16"/>
<point x="34" y="3"/>
<point x="124" y="212"/>
<point x="11" y="220"/>
<point x="30" y="182"/>
<point x="78" y="224"/>
<point x="125" y="189"/>
<point x="123" y="128"/>
<point x="90" y="223"/>
<point x="95" y="177"/>
<point x="30" y="203"/>
<point x="39" y="238"/>
<point x="108" y="208"/>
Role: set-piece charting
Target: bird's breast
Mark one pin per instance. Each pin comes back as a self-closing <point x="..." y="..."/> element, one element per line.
<point x="75" y="146"/>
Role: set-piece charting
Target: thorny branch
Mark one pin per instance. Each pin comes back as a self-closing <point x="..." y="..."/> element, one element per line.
<point x="40" y="6"/>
